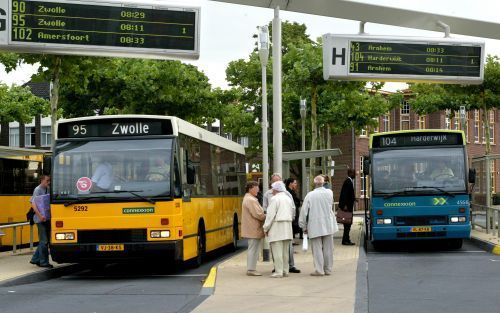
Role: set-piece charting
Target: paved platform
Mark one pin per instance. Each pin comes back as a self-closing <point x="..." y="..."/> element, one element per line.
<point x="236" y="292"/>
<point x="17" y="265"/>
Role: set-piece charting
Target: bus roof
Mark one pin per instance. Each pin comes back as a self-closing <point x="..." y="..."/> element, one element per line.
<point x="22" y="154"/>
<point x="179" y="126"/>
<point x="417" y="132"/>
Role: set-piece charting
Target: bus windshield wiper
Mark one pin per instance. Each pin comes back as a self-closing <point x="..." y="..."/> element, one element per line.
<point x="83" y="199"/>
<point x="437" y="188"/>
<point x="132" y="192"/>
<point x="397" y="193"/>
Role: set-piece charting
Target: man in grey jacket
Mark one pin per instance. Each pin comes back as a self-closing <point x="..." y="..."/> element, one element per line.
<point x="318" y="222"/>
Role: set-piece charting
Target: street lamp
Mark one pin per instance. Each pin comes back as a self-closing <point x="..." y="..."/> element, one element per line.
<point x="303" y="113"/>
<point x="264" y="56"/>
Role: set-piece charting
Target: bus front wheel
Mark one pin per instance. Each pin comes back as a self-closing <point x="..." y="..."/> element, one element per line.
<point x="455" y="243"/>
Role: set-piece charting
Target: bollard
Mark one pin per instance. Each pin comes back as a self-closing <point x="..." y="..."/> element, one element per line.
<point x="31" y="237"/>
<point x="14" y="239"/>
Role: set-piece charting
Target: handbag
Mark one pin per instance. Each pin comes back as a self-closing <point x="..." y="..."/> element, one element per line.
<point x="305" y="243"/>
<point x="344" y="217"/>
<point x="30" y="215"/>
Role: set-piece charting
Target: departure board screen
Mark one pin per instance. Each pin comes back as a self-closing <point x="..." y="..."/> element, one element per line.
<point x="414" y="59"/>
<point x="403" y="59"/>
<point x="103" y="24"/>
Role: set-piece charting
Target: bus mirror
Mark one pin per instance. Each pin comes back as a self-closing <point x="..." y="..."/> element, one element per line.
<point x="191" y="172"/>
<point x="472" y="175"/>
<point x="47" y="165"/>
<point x="366" y="166"/>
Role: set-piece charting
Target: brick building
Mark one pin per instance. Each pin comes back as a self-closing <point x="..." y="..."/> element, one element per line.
<point x="355" y="146"/>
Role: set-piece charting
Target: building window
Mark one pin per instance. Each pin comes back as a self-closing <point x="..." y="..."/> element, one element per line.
<point x="29" y="137"/>
<point x="466" y="130"/>
<point x="363" y="133"/>
<point x="492" y="126"/>
<point x="493" y="175"/>
<point x="14" y="137"/>
<point x="362" y="177"/>
<point x="457" y="121"/>
<point x="405" y="108"/>
<point x="386" y="121"/>
<point x="243" y="141"/>
<point x="46" y="136"/>
<point x="476" y="126"/>
<point x="421" y="122"/>
<point x="376" y="129"/>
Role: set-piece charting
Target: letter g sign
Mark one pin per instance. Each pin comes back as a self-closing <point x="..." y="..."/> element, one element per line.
<point x="3" y="22"/>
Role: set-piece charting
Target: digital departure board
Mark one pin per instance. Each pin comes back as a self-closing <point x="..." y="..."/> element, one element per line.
<point x="101" y="28"/>
<point x="408" y="59"/>
<point x="415" y="139"/>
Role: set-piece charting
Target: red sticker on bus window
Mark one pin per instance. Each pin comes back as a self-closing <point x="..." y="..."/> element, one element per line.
<point x="84" y="184"/>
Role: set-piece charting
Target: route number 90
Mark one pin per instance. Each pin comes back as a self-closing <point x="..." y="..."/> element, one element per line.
<point x="79" y="130"/>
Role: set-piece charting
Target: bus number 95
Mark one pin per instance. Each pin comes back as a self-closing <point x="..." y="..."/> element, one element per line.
<point x="79" y="130"/>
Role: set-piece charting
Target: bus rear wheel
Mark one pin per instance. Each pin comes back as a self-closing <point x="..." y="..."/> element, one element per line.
<point x="201" y="246"/>
<point x="235" y="234"/>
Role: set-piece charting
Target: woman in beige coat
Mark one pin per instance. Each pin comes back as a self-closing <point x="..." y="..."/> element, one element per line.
<point x="252" y="218"/>
<point x="278" y="228"/>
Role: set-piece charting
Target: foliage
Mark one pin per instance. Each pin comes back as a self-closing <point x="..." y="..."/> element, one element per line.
<point x="19" y="104"/>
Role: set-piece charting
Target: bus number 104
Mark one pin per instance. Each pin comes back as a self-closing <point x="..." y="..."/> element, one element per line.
<point x="388" y="141"/>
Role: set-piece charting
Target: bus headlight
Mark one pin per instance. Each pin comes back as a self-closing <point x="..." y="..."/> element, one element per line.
<point x="382" y="221"/>
<point x="160" y="233"/>
<point x="65" y="236"/>
<point x="458" y="219"/>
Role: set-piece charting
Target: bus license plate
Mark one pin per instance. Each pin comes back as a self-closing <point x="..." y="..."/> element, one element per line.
<point x="421" y="229"/>
<point x="116" y="247"/>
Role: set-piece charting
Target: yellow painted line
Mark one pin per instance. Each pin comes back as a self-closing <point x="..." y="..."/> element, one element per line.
<point x="496" y="250"/>
<point x="210" y="281"/>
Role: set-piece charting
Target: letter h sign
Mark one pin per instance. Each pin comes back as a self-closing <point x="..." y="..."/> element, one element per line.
<point x="336" y="56"/>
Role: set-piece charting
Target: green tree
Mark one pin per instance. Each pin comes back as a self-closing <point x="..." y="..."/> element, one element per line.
<point x="431" y="98"/>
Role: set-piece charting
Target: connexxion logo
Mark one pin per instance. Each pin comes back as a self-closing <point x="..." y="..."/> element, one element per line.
<point x="3" y="22"/>
<point x="138" y="210"/>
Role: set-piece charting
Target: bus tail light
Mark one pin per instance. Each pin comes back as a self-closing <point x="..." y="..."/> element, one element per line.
<point x="164" y="221"/>
<point x="380" y="212"/>
<point x="59" y="224"/>
<point x="180" y="232"/>
<point x="461" y="210"/>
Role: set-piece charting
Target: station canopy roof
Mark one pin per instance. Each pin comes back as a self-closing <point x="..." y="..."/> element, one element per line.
<point x="21" y="153"/>
<point x="379" y="14"/>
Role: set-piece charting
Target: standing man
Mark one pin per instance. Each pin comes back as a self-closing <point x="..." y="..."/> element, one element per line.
<point x="317" y="221"/>
<point x="252" y="220"/>
<point x="346" y="203"/>
<point x="42" y="220"/>
<point x="265" y="203"/>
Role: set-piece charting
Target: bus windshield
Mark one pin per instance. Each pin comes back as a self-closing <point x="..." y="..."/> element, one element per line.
<point x="419" y="171"/>
<point x="117" y="169"/>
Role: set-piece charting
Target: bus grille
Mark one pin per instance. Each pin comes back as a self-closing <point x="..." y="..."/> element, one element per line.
<point x="420" y="220"/>
<point x="112" y="236"/>
<point x="422" y="234"/>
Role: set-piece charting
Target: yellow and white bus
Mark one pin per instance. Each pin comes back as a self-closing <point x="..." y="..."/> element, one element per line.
<point x="142" y="186"/>
<point x="20" y="170"/>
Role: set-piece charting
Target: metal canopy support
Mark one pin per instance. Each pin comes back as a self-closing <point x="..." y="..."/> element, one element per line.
<point x="372" y="13"/>
<point x="445" y="27"/>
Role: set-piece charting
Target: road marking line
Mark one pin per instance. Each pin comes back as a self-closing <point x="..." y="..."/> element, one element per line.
<point x="209" y="285"/>
<point x="134" y="276"/>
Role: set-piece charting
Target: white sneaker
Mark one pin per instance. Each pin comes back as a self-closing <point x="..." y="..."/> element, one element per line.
<point x="276" y="276"/>
<point x="253" y="273"/>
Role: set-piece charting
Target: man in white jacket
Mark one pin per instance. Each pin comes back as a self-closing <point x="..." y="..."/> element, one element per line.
<point x="318" y="222"/>
<point x="278" y="228"/>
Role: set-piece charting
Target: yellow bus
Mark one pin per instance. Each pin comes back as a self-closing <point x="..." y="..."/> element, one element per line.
<point x="20" y="170"/>
<point x="142" y="186"/>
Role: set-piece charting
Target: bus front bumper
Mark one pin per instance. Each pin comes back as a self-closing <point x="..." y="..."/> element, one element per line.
<point x="415" y="233"/>
<point x="88" y="252"/>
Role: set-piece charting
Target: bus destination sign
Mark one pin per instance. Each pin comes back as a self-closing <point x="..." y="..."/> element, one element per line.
<point x="412" y="140"/>
<point x="114" y="128"/>
<point x="107" y="28"/>
<point x="385" y="59"/>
